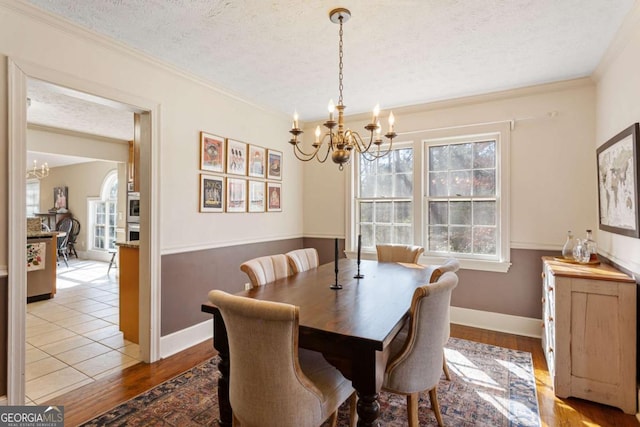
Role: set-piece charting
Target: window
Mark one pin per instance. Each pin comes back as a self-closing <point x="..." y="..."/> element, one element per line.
<point x="385" y="203"/>
<point x="462" y="199"/>
<point x="445" y="190"/>
<point x="33" y="197"/>
<point x="103" y="215"/>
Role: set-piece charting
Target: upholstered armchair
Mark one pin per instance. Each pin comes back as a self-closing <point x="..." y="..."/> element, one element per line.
<point x="453" y="265"/>
<point x="266" y="269"/>
<point x="272" y="382"/>
<point x="399" y="253"/>
<point x="415" y="359"/>
<point x="303" y="259"/>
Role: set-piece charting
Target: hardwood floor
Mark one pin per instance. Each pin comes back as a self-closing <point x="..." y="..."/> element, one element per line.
<point x="85" y="403"/>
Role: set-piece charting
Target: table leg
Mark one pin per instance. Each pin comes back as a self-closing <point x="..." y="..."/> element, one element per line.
<point x="368" y="410"/>
<point x="221" y="344"/>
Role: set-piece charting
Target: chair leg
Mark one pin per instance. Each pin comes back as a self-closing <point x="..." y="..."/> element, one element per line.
<point x="433" y="395"/>
<point x="64" y="256"/>
<point x="353" y="412"/>
<point x="333" y="419"/>
<point x="412" y="409"/>
<point x="445" y="368"/>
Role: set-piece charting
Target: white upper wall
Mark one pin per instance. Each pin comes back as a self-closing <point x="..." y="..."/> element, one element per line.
<point x="553" y="174"/>
<point x="187" y="106"/>
<point x="618" y="101"/>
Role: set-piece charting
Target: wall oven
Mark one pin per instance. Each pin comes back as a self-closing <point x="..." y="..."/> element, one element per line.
<point x="133" y="207"/>
<point x="133" y="231"/>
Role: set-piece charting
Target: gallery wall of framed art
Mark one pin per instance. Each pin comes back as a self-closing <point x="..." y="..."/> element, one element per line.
<point x="236" y="176"/>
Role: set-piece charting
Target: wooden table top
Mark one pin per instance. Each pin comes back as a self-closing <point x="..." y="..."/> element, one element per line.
<point x="367" y="311"/>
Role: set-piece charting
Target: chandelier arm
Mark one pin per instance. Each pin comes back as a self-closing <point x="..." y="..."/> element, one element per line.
<point x="369" y="156"/>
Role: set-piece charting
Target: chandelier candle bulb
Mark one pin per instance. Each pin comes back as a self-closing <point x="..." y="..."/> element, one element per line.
<point x="392" y="120"/>
<point x="331" y="109"/>
<point x="376" y="111"/>
<point x="295" y="120"/>
<point x="317" y="134"/>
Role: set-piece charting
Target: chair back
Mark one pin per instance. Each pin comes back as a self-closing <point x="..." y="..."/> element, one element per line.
<point x="399" y="253"/>
<point x="267" y="386"/>
<point x="451" y="264"/>
<point x="418" y="365"/>
<point x="75" y="230"/>
<point x="303" y="259"/>
<point x="64" y="225"/>
<point x="266" y="269"/>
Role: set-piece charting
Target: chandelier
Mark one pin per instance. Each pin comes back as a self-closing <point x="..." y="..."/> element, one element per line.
<point x="341" y="142"/>
<point x="38" y="172"/>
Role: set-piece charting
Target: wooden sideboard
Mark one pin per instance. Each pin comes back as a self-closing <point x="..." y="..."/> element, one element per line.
<point x="589" y="336"/>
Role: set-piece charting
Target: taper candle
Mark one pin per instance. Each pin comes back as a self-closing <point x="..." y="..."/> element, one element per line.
<point x="359" y="245"/>
<point x="336" y="252"/>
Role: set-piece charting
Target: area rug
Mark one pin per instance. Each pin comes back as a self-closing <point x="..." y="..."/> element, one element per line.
<point x="490" y="386"/>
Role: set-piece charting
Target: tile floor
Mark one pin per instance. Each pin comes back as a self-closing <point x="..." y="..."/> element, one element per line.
<point x="73" y="338"/>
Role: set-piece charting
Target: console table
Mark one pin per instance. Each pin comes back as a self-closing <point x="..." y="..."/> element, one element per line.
<point x="589" y="336"/>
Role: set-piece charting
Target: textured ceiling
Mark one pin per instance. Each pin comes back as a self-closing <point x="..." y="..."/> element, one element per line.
<point x="282" y="54"/>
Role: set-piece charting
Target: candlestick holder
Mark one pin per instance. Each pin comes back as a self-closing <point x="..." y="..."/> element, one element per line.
<point x="336" y="285"/>
<point x="358" y="274"/>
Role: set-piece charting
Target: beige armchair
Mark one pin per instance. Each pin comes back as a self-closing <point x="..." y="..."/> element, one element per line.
<point x="266" y="269"/>
<point x="453" y="265"/>
<point x="272" y="383"/>
<point x="303" y="259"/>
<point x="399" y="253"/>
<point x="415" y="360"/>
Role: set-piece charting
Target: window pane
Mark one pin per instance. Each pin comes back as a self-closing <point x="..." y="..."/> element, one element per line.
<point x="460" y="183"/>
<point x="438" y="239"/>
<point x="403" y="160"/>
<point x="438" y="184"/>
<point x="402" y="212"/>
<point x="383" y="234"/>
<point x="366" y="212"/>
<point x="460" y="213"/>
<point x="484" y="240"/>
<point x="367" y="236"/>
<point x="460" y="239"/>
<point x="403" y="235"/>
<point x="438" y="213"/>
<point x="484" y="213"/>
<point x="403" y="185"/>
<point x="439" y="158"/>
<point x="384" y="164"/>
<point x="383" y="212"/>
<point x="484" y="182"/>
<point x="461" y="156"/>
<point x="484" y="154"/>
<point x="385" y="186"/>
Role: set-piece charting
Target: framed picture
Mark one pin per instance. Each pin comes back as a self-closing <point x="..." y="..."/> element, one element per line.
<point x="618" y="183"/>
<point x="274" y="169"/>
<point x="60" y="198"/>
<point x="236" y="195"/>
<point x="211" y="193"/>
<point x="256" y="196"/>
<point x="256" y="161"/>
<point x="211" y="152"/>
<point x="236" y="157"/>
<point x="274" y="197"/>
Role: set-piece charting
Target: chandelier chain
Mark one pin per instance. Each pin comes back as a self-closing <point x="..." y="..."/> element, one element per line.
<point x="340" y="65"/>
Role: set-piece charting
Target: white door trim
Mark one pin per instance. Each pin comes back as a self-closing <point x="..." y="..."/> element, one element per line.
<point x="18" y="73"/>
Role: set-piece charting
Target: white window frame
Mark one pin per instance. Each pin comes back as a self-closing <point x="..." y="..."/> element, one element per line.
<point x="105" y="191"/>
<point x="31" y="182"/>
<point x="501" y="131"/>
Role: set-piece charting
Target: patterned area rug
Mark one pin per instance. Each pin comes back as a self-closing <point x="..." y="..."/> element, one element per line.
<point x="490" y="386"/>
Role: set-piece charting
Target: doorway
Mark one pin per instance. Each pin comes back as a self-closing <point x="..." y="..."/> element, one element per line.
<point x="19" y="74"/>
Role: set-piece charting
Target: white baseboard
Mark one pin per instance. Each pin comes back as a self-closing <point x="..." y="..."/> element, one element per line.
<point x="517" y="325"/>
<point x="185" y="338"/>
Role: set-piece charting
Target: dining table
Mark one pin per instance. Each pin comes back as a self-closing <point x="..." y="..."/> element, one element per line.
<point x="352" y="326"/>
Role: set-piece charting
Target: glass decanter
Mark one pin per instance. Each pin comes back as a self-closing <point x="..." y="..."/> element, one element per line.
<point x="567" y="249"/>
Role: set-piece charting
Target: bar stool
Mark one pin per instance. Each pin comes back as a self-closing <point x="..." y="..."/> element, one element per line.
<point x="113" y="253"/>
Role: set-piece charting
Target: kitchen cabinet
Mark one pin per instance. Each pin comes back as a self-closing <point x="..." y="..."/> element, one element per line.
<point x="589" y="332"/>
<point x="129" y="290"/>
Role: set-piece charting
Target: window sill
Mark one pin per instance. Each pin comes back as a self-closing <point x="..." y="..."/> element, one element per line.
<point x="465" y="264"/>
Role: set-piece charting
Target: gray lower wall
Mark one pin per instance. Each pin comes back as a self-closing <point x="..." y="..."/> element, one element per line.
<point x="188" y="277"/>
